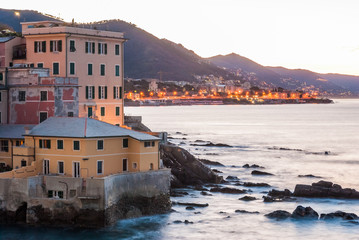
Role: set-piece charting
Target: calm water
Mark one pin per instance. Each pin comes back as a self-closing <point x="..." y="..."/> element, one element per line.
<point x="252" y="130"/>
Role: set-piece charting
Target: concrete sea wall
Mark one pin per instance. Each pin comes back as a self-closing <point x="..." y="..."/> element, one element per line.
<point x="63" y="201"/>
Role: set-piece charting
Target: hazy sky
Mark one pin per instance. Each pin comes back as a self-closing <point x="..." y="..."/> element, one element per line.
<point x="319" y="35"/>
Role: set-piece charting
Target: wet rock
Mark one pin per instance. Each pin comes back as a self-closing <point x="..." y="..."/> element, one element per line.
<point x="339" y="214"/>
<point x="221" y="212"/>
<point x="178" y="193"/>
<point x="245" y="211"/>
<point x="304" y="212"/>
<point x="187" y="222"/>
<point x="177" y="221"/>
<point x="280" y="194"/>
<point x="232" y="178"/>
<point x="190" y="208"/>
<point x="256" y="172"/>
<point x="247" y="198"/>
<point x="191" y="204"/>
<point x="212" y="163"/>
<point x="228" y="190"/>
<point x="274" y="199"/>
<point x="200" y="188"/>
<point x="251" y="166"/>
<point x="324" y="189"/>
<point x="278" y="214"/>
<point x="250" y="184"/>
<point x="210" y="144"/>
<point x="197" y="212"/>
<point x="212" y="154"/>
<point x="216" y="171"/>
<point x="185" y="168"/>
<point x="309" y="176"/>
<point x="206" y="193"/>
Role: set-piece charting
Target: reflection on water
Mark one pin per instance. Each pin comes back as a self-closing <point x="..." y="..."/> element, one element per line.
<point x="253" y="131"/>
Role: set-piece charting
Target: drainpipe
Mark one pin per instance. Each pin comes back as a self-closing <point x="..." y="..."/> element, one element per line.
<point x="8" y="95"/>
<point x="12" y="153"/>
<point x="67" y="36"/>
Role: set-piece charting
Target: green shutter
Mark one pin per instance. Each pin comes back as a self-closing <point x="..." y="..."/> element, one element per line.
<point x="117" y="111"/>
<point x="93" y="48"/>
<point x="93" y="92"/>
<point x="102" y="111"/>
<point x="105" y="48"/>
<point x="89" y="69"/>
<point x="105" y="92"/>
<point x="114" y="92"/>
<point x="35" y="46"/>
<point x="87" y="47"/>
<point x="72" y="68"/>
<point x="99" y="48"/>
<point x="87" y="92"/>
<point x="44" y="46"/>
<point x="59" y="46"/>
<point x="120" y="92"/>
<point x="40" y="143"/>
<point x="99" y="92"/>
<point x="51" y="46"/>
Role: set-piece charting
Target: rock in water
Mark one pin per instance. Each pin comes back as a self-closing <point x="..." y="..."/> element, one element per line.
<point x="304" y="212"/>
<point x="279" y="214"/>
<point x="339" y="214"/>
<point x="186" y="169"/>
<point x="256" y="172"/>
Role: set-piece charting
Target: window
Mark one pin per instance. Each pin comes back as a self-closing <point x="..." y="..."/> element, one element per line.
<point x="39" y="46"/>
<point x="90" y="47"/>
<point x="117" y="92"/>
<point x="102" y="92"/>
<point x="60" y="167"/>
<point x="151" y="166"/>
<point x="40" y="65"/>
<point x="43" y="96"/>
<point x="89" y="112"/>
<point x="125" y="143"/>
<point x="72" y="68"/>
<point x="1" y="76"/>
<point x="102" y="69"/>
<point x="70" y="114"/>
<point x="90" y="92"/>
<point x="102" y="48"/>
<point x="56" y="46"/>
<point x="117" y="111"/>
<point x="124" y="164"/>
<point x="32" y="65"/>
<point x="4" y="146"/>
<point x="18" y="143"/>
<point x="89" y="69"/>
<point x="100" y="167"/>
<point x="147" y="144"/>
<point x="134" y="165"/>
<point x="43" y="116"/>
<point x="72" y="46"/>
<point x="99" y="144"/>
<point x="22" y="96"/>
<point x="102" y="111"/>
<point x="46" y="166"/>
<point x="153" y="143"/>
<point x="45" y="143"/>
<point x="117" y="70"/>
<point x="117" y="49"/>
<point x="23" y="163"/>
<point x="77" y="145"/>
<point x="55" y="68"/>
<point x="60" y="144"/>
<point x="76" y="169"/>
<point x="55" y="194"/>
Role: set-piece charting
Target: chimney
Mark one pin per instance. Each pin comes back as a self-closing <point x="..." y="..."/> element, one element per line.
<point x="27" y="130"/>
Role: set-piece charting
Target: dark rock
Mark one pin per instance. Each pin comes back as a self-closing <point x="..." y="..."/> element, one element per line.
<point x="250" y="184"/>
<point x="197" y="212"/>
<point x="216" y="171"/>
<point x="309" y="176"/>
<point x="323" y="189"/>
<point x="228" y="190"/>
<point x="354" y="222"/>
<point x="247" y="198"/>
<point x="187" y="222"/>
<point x="191" y="204"/>
<point x="185" y="168"/>
<point x="280" y="194"/>
<point x="279" y="214"/>
<point x="275" y="199"/>
<point x="212" y="163"/>
<point x="304" y="212"/>
<point x="256" y="172"/>
<point x="206" y="193"/>
<point x="232" y="178"/>
<point x="221" y="212"/>
<point x="190" y="208"/>
<point x="212" y="154"/>
<point x="245" y="211"/>
<point x="339" y="214"/>
<point x="210" y="144"/>
<point x="178" y="193"/>
<point x="200" y="188"/>
<point x="177" y="221"/>
<point x="199" y="141"/>
<point x="251" y="166"/>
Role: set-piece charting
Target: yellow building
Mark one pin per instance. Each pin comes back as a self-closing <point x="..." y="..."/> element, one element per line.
<point x="82" y="147"/>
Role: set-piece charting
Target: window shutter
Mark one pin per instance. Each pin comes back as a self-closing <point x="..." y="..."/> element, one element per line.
<point x="99" y="92"/>
<point x="114" y="92"/>
<point x="87" y="92"/>
<point x="105" y="48"/>
<point x="93" y="92"/>
<point x="51" y="46"/>
<point x="120" y="92"/>
<point x="87" y="47"/>
<point x="35" y="47"/>
<point x="99" y="48"/>
<point x="40" y="143"/>
<point x="44" y="46"/>
<point x="93" y="48"/>
<point x="59" y="46"/>
<point x="105" y="92"/>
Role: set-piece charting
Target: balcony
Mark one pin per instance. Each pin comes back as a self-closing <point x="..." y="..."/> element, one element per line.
<point x="23" y="151"/>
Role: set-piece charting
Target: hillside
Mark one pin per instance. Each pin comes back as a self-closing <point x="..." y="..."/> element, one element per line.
<point x="347" y="82"/>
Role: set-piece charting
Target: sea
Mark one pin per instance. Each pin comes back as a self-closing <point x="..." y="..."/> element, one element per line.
<point x="287" y="140"/>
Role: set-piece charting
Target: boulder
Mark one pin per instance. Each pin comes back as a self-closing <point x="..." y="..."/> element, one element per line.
<point x="250" y="184"/>
<point x="245" y="211"/>
<point x="251" y="166"/>
<point x="213" y="163"/>
<point x="228" y="190"/>
<point x="256" y="172"/>
<point x="232" y="178"/>
<point x="304" y="212"/>
<point x="247" y="198"/>
<point x="278" y="214"/>
<point x="339" y="214"/>
<point x="309" y="176"/>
